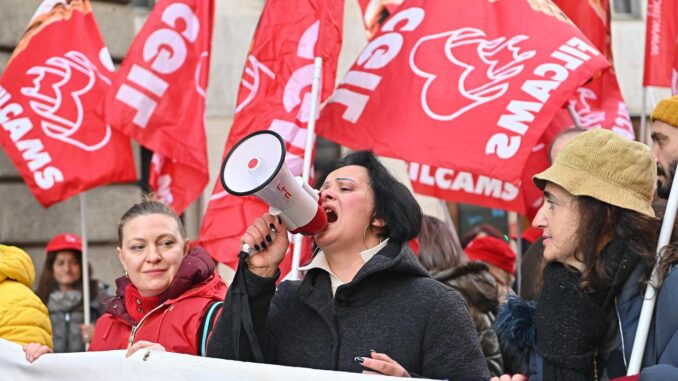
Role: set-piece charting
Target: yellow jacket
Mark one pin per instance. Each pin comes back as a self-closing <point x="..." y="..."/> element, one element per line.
<point x="23" y="317"/>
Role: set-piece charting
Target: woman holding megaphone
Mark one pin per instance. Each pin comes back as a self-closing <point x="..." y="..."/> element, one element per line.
<point x="365" y="303"/>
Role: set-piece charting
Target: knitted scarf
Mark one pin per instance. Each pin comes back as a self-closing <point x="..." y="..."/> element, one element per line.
<point x="572" y="324"/>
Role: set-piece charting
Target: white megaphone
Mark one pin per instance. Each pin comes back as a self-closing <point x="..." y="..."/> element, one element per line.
<point x="256" y="166"/>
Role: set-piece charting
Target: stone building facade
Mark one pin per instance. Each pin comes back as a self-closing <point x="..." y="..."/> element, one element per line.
<point x="25" y="223"/>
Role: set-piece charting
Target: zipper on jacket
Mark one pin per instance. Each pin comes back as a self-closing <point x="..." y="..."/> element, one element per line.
<point x="67" y="321"/>
<point x="140" y="323"/>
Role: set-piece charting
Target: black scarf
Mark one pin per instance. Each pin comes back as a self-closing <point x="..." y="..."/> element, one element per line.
<point x="572" y="324"/>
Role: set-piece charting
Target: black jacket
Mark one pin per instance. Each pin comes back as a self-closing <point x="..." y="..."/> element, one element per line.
<point x="392" y="306"/>
<point x="479" y="288"/>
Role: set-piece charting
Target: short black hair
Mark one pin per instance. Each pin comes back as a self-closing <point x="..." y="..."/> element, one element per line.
<point x="393" y="202"/>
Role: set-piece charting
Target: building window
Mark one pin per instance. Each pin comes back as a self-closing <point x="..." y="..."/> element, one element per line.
<point x="626" y="9"/>
<point x="143" y="3"/>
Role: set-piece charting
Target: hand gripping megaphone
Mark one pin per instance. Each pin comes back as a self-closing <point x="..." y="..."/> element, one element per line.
<point x="256" y="166"/>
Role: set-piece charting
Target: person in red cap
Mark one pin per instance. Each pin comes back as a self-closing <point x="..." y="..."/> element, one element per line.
<point x="60" y="288"/>
<point x="498" y="256"/>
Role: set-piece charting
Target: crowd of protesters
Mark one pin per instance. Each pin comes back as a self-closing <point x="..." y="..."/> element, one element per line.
<point x="368" y="303"/>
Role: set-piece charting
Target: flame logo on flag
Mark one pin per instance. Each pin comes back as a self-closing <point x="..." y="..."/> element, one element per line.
<point x="57" y="97"/>
<point x="480" y="68"/>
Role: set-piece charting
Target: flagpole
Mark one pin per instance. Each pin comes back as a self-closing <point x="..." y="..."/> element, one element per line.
<point x="643" y="121"/>
<point x="519" y="252"/>
<point x="573" y="115"/>
<point x="85" y="262"/>
<point x="308" y="156"/>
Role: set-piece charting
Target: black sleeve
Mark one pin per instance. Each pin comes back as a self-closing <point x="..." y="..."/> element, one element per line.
<point x="451" y="347"/>
<point x="259" y="291"/>
<point x="206" y="326"/>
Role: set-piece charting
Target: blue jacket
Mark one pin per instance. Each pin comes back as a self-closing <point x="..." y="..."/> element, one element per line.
<point x="661" y="351"/>
<point x="660" y="361"/>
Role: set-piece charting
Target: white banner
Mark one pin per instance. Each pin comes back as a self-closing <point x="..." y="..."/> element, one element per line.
<point x="151" y="365"/>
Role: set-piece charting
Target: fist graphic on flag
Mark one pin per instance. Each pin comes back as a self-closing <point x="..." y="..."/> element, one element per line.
<point x="479" y="66"/>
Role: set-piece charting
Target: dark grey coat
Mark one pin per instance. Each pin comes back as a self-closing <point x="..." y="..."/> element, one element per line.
<point x="479" y="289"/>
<point x="392" y="306"/>
<point x="66" y="315"/>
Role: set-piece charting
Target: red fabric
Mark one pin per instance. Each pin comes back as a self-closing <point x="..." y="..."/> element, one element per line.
<point x="635" y="377"/>
<point x="137" y="305"/>
<point x="661" y="44"/>
<point x="469" y="188"/>
<point x="599" y="103"/>
<point x="175" y="325"/>
<point x="414" y="245"/>
<point x="493" y="251"/>
<point x="274" y="94"/>
<point x="64" y="241"/>
<point x="470" y="88"/>
<point x="158" y="97"/>
<point x="531" y="234"/>
<point x="374" y="11"/>
<point x="51" y="114"/>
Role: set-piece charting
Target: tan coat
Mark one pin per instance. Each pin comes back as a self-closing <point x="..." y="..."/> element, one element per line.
<point x="23" y="317"/>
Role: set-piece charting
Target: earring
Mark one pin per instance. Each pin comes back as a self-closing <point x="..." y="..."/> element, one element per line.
<point x="126" y="276"/>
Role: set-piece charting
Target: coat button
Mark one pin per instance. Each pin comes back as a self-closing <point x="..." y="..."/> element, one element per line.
<point x="138" y="301"/>
<point x="141" y="310"/>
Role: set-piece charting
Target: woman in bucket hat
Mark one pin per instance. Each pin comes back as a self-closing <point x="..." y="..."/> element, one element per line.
<point x="600" y="234"/>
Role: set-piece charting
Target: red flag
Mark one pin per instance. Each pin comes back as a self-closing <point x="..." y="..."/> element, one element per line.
<point x="50" y="106"/>
<point x="275" y="94"/>
<point x="661" y="44"/>
<point x="375" y="12"/>
<point x="468" y="188"/>
<point x="599" y="103"/>
<point x="458" y="186"/>
<point x="458" y="86"/>
<point x="158" y="97"/>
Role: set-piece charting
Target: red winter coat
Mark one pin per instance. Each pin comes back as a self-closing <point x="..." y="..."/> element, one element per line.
<point x="174" y="323"/>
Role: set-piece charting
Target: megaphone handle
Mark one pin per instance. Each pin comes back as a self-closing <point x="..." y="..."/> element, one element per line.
<point x="309" y="189"/>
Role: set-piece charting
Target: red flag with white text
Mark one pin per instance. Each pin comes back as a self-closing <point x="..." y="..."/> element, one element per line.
<point x="465" y="187"/>
<point x="661" y="44"/>
<point x="51" y="114"/>
<point x="158" y="97"/>
<point x="599" y="103"/>
<point x="375" y="12"/>
<point x="274" y="94"/>
<point x="458" y="86"/>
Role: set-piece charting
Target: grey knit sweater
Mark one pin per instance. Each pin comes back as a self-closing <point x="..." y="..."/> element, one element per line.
<point x="392" y="306"/>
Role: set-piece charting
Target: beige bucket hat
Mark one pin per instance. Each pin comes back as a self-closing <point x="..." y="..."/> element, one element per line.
<point x="601" y="164"/>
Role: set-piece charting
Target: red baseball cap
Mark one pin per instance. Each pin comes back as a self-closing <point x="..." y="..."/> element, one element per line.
<point x="64" y="241"/>
<point x="493" y="251"/>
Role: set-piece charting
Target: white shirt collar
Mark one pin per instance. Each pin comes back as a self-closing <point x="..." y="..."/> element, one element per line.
<point x="320" y="262"/>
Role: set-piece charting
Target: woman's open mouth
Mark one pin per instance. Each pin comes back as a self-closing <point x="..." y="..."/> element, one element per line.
<point x="331" y="215"/>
